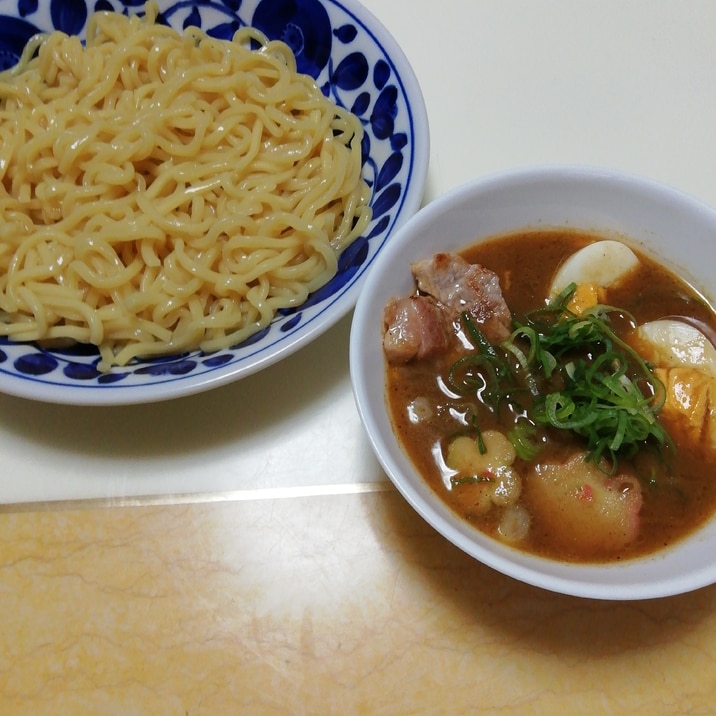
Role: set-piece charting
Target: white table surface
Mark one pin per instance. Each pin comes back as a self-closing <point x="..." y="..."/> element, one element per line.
<point x="628" y="84"/>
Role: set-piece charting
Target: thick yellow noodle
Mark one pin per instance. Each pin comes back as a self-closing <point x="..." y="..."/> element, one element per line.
<point x="165" y="191"/>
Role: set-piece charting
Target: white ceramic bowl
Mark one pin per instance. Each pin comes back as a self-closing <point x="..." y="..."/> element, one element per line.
<point x="356" y="61"/>
<point x="663" y="221"/>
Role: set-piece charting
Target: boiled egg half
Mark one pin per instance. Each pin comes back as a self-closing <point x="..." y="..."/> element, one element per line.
<point x="671" y="343"/>
<point x="598" y="265"/>
<point x="684" y="360"/>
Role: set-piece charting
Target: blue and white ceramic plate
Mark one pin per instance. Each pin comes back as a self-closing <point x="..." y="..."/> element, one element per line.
<point x="359" y="65"/>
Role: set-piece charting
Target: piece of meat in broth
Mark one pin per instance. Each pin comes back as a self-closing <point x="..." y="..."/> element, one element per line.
<point x="461" y="286"/>
<point x="582" y="507"/>
<point x="415" y="327"/>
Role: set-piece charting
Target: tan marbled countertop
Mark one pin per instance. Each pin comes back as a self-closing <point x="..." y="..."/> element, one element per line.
<point x="241" y="552"/>
<point x="340" y="604"/>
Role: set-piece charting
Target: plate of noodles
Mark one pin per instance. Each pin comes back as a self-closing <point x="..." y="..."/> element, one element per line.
<point x="191" y="191"/>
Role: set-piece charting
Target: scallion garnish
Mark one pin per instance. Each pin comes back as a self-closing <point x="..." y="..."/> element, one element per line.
<point x="522" y="436"/>
<point x="568" y="372"/>
<point x="469" y="480"/>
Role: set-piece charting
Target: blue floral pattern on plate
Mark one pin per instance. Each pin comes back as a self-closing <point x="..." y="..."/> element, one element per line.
<point x="355" y="62"/>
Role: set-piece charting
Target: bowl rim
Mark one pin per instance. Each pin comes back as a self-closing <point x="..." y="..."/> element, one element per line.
<point x="607" y="581"/>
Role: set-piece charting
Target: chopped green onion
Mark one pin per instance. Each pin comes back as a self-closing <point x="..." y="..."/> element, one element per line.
<point x="522" y="437"/>
<point x="581" y="376"/>
<point x="469" y="480"/>
<point x="478" y="336"/>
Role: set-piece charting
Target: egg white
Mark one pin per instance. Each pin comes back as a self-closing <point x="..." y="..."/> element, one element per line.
<point x="603" y="263"/>
<point x="673" y="344"/>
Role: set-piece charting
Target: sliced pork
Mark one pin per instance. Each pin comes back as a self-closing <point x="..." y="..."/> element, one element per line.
<point x="461" y="286"/>
<point x="415" y="327"/>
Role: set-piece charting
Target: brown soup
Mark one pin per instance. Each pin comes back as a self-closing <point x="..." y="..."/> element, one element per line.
<point x="669" y="490"/>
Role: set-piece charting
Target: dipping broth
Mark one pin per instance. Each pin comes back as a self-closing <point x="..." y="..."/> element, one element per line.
<point x="559" y="503"/>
